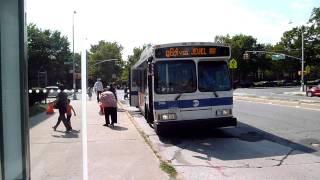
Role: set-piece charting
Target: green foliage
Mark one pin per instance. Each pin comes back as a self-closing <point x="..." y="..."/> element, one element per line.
<point x="169" y="169"/>
<point x="103" y="51"/>
<point x="290" y="44"/>
<point x="47" y="51"/>
<point x="239" y="45"/>
<point x="132" y="59"/>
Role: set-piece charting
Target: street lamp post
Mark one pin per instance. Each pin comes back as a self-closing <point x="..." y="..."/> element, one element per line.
<point x="73" y="59"/>
<point x="102" y="61"/>
<point x="302" y="60"/>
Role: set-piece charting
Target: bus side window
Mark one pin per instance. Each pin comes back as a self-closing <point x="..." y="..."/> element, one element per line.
<point x="135" y="78"/>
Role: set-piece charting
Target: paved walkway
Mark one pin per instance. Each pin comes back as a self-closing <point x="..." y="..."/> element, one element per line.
<point x="113" y="153"/>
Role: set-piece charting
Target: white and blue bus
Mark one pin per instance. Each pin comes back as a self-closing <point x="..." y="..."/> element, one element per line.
<point x="183" y="83"/>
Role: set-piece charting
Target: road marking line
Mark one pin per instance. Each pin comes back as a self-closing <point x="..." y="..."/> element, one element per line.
<point x="279" y="105"/>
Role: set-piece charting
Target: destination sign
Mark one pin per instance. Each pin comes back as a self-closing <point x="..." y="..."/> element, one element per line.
<point x="192" y="51"/>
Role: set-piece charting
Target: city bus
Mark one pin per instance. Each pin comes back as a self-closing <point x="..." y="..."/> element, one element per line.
<point x="183" y="83"/>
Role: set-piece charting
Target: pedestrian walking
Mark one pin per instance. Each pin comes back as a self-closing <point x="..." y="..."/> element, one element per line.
<point x="89" y="92"/>
<point x="98" y="88"/>
<point x="125" y="92"/>
<point x="69" y="114"/>
<point x="62" y="103"/>
<point x="109" y="103"/>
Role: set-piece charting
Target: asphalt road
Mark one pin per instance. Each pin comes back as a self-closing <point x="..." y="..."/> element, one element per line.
<point x="298" y="126"/>
<point x="270" y="142"/>
<point x="274" y="92"/>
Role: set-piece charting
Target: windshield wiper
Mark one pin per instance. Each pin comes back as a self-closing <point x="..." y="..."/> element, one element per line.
<point x="179" y="95"/>
<point x="215" y="93"/>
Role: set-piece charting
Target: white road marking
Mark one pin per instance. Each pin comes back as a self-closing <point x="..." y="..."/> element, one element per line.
<point x="268" y="103"/>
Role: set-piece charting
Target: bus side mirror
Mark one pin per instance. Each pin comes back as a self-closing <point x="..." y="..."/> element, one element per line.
<point x="234" y="85"/>
<point x="150" y="59"/>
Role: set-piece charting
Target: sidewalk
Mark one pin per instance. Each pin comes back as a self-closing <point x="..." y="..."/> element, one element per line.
<point x="113" y="153"/>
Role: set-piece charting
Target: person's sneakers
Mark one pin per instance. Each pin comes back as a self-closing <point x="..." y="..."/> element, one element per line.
<point x="106" y="125"/>
<point x="54" y="128"/>
<point x="112" y="125"/>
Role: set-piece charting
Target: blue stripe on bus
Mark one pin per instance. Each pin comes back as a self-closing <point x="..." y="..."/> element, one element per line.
<point x="134" y="93"/>
<point x="158" y="105"/>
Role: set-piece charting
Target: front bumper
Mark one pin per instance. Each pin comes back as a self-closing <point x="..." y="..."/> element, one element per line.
<point x="212" y="122"/>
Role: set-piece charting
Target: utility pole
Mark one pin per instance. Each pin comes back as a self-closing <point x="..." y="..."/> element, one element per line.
<point x="302" y="60"/>
<point x="73" y="59"/>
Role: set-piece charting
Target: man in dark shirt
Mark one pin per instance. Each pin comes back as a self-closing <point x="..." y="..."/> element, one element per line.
<point x="62" y="102"/>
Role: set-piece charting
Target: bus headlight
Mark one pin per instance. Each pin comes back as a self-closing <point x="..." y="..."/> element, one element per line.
<point x="168" y="116"/>
<point x="224" y="112"/>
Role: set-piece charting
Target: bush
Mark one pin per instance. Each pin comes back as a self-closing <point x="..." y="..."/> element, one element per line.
<point x="37" y="96"/>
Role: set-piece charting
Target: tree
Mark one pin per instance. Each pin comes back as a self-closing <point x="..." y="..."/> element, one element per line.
<point x="103" y="51"/>
<point x="292" y="42"/>
<point x="132" y="59"/>
<point x="47" y="51"/>
<point x="239" y="44"/>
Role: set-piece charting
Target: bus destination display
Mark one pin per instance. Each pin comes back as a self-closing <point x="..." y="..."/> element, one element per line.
<point x="192" y="51"/>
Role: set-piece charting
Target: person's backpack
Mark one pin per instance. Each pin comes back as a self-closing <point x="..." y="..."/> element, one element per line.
<point x="108" y="99"/>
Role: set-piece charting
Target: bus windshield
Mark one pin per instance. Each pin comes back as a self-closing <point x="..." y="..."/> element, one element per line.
<point x="175" y="77"/>
<point x="213" y="76"/>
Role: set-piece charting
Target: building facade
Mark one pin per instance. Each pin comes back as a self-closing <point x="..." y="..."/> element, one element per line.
<point x="14" y="133"/>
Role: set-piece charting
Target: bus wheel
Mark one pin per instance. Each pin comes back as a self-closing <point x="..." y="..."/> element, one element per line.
<point x="157" y="129"/>
<point x="148" y="115"/>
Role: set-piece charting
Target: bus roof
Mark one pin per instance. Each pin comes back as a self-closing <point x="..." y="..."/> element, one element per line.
<point x="189" y="44"/>
<point x="150" y="50"/>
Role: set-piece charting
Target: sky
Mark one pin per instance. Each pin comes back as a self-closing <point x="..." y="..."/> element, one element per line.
<point x="133" y="23"/>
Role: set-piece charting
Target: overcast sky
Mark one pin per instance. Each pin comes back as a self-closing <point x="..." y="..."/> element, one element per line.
<point x="134" y="23"/>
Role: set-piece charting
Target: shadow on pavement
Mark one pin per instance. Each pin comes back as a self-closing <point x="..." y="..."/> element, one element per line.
<point x="35" y="120"/>
<point x="241" y="142"/>
<point x="118" y="128"/>
<point x="72" y="134"/>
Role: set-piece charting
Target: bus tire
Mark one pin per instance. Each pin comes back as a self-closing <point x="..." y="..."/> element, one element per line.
<point x="157" y="129"/>
<point x="148" y="115"/>
<point x="145" y="112"/>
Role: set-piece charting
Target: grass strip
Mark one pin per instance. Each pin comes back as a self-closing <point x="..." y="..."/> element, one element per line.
<point x="164" y="166"/>
<point x="168" y="168"/>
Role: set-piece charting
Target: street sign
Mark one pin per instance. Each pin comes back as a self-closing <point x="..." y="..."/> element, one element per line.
<point x="233" y="64"/>
<point x="308" y="69"/>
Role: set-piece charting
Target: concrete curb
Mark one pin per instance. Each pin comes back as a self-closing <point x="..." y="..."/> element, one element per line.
<point x="275" y="98"/>
<point x="147" y="140"/>
<point x="293" y="104"/>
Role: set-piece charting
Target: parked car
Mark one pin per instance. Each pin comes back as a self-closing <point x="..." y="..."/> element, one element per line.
<point x="314" y="82"/>
<point x="53" y="91"/>
<point x="243" y="84"/>
<point x="314" y="91"/>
